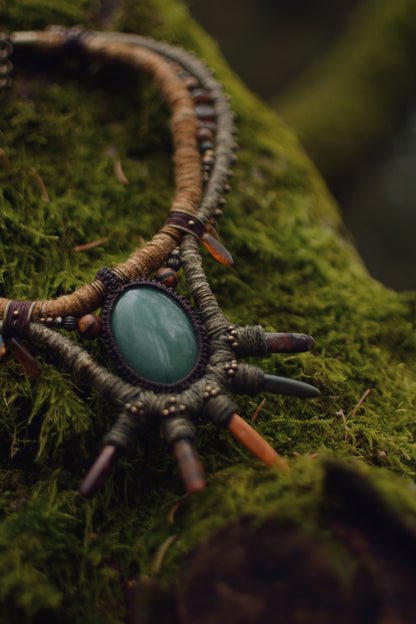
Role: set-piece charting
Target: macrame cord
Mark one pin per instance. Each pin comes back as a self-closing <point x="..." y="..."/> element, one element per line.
<point x="204" y="152"/>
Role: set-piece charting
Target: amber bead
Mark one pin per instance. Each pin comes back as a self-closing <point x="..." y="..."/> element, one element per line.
<point x="167" y="276"/>
<point x="89" y="326"/>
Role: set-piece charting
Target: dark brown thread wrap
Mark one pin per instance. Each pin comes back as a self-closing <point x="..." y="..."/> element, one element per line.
<point x="185" y="222"/>
<point x="16" y="318"/>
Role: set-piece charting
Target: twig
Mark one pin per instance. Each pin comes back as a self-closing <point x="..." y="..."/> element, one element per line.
<point x="119" y="171"/>
<point x="353" y="413"/>
<point x="258" y="410"/>
<point x="41" y="185"/>
<point x="360" y="402"/>
<point x="161" y="553"/>
<point x="342" y="415"/>
<point x="4" y="159"/>
<point x="91" y="245"/>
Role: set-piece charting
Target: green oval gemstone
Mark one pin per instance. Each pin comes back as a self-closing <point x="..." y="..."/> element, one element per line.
<point x="154" y="335"/>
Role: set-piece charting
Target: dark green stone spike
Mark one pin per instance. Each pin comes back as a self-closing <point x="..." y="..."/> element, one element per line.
<point x="292" y="387"/>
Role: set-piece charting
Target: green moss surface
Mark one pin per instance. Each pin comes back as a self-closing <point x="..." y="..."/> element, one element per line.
<point x="66" y="559"/>
<point x="347" y="101"/>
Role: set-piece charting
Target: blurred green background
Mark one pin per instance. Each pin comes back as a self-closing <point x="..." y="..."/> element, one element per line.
<point x="300" y="56"/>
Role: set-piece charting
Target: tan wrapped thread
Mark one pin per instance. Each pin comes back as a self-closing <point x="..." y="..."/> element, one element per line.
<point x="188" y="178"/>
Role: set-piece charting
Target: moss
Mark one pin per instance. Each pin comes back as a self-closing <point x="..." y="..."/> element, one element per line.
<point x="346" y="102"/>
<point x="295" y="270"/>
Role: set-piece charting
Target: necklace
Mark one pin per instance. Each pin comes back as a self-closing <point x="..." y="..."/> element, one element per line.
<point x="174" y="363"/>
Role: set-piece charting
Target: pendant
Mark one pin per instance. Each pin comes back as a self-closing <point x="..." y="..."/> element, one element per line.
<point x="153" y="336"/>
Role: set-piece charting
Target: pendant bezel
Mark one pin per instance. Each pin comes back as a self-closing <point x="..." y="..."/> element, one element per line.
<point x="124" y="369"/>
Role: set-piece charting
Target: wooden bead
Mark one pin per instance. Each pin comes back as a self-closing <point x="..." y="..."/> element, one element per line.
<point x="167" y="276"/>
<point x="89" y="326"/>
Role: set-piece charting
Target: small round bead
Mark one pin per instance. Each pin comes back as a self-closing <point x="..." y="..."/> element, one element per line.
<point x="174" y="261"/>
<point x="59" y="321"/>
<point x="70" y="323"/>
<point x="167" y="276"/>
<point x="50" y="321"/>
<point x="205" y="112"/>
<point x="191" y="83"/>
<point x="205" y="134"/>
<point x="89" y="326"/>
<point x="206" y="145"/>
<point x="201" y="96"/>
<point x="211" y="125"/>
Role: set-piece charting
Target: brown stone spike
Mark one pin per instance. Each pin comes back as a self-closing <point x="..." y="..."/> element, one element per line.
<point x="98" y="471"/>
<point x="189" y="465"/>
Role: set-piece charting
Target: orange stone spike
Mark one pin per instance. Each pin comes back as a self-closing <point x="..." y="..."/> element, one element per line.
<point x="212" y="231"/>
<point x="25" y="358"/>
<point x="98" y="471"/>
<point x="189" y="465"/>
<point x="217" y="250"/>
<point x="254" y="442"/>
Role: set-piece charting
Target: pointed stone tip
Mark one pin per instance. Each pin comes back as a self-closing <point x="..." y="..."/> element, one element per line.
<point x="289" y="342"/>
<point x="97" y="473"/>
<point x="291" y="387"/>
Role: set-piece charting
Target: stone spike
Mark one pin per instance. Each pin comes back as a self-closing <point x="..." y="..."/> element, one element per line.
<point x="217" y="250"/>
<point x="190" y="467"/>
<point x="98" y="471"/>
<point x="292" y="387"/>
<point x="288" y="342"/>
<point x="254" y="442"/>
<point x="25" y="358"/>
